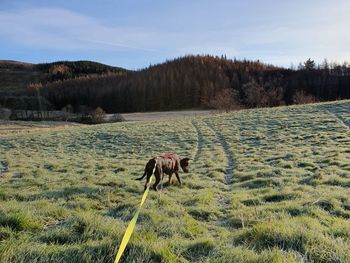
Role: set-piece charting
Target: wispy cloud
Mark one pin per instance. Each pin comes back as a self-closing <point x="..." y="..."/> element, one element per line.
<point x="54" y="28"/>
<point x="282" y="36"/>
<point x="114" y="44"/>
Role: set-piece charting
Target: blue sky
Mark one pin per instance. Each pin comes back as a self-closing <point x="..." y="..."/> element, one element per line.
<point x="136" y="33"/>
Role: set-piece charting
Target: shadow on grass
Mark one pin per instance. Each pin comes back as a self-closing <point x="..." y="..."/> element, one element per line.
<point x="260" y="183"/>
<point x="122" y="211"/>
<point x="280" y="197"/>
<point x="203" y="214"/>
<point x="199" y="249"/>
<point x="18" y="221"/>
<point x="65" y="193"/>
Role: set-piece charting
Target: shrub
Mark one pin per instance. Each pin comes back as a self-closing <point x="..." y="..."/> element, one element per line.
<point x="225" y="100"/>
<point x="98" y="115"/>
<point x="300" y="97"/>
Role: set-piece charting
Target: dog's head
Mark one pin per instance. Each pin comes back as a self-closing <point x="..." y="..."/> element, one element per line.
<point x="185" y="163"/>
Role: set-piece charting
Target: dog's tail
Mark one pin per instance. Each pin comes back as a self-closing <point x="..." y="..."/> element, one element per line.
<point x="148" y="169"/>
<point x="143" y="176"/>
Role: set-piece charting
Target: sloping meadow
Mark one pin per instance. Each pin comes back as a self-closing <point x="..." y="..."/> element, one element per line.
<point x="267" y="185"/>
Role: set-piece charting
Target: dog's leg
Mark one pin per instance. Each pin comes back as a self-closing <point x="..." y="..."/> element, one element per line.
<point x="178" y="177"/>
<point x="170" y="179"/>
<point x="147" y="180"/>
<point x="155" y="188"/>
<point x="157" y="174"/>
<point x="161" y="182"/>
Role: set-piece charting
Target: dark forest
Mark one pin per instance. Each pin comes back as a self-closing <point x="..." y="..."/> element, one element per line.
<point x="194" y="82"/>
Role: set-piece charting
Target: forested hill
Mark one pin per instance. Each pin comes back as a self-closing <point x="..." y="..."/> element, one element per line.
<point x="15" y="76"/>
<point x="178" y="84"/>
<point x="198" y="82"/>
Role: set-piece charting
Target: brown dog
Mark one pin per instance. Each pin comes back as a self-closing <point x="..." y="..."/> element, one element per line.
<point x="165" y="164"/>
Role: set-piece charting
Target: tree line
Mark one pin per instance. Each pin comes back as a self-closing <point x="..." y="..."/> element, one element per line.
<point x="200" y="82"/>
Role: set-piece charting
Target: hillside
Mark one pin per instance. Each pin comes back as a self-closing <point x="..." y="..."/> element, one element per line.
<point x="265" y="185"/>
<point x="182" y="83"/>
<point x="16" y="76"/>
<point x="203" y="82"/>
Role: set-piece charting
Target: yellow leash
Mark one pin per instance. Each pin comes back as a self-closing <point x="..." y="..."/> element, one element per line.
<point x="130" y="229"/>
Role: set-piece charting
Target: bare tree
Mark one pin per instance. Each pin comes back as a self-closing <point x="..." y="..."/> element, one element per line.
<point x="268" y="93"/>
<point x="255" y="95"/>
<point x="226" y="100"/>
<point x="300" y="97"/>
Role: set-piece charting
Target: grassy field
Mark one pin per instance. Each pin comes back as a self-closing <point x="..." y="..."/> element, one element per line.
<point x="267" y="185"/>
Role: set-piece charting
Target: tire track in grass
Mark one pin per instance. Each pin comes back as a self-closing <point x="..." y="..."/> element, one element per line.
<point x="224" y="202"/>
<point x="208" y="145"/>
<point x="340" y="117"/>
<point x="211" y="140"/>
<point x="336" y="111"/>
<point x="230" y="161"/>
<point x="200" y="141"/>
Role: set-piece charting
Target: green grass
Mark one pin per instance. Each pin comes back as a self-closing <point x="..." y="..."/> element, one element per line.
<point x="267" y="185"/>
